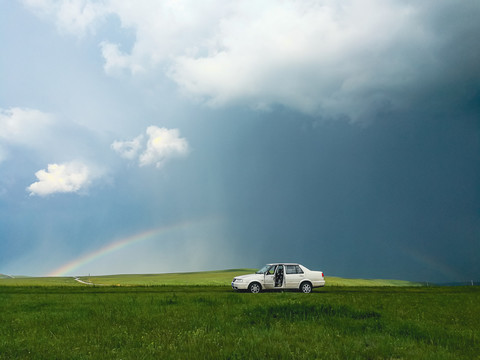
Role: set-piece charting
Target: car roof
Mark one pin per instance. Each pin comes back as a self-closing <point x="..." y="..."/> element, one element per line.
<point x="283" y="263"/>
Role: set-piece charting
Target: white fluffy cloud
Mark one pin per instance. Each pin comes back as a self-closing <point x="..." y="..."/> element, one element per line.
<point x="61" y="178"/>
<point x="162" y="145"/>
<point x="321" y="57"/>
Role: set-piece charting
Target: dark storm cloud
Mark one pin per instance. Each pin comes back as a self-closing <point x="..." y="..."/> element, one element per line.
<point x="363" y="60"/>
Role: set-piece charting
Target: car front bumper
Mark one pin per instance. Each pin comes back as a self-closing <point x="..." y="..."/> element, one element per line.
<point x="237" y="285"/>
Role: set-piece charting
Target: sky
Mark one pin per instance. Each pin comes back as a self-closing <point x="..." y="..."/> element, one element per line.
<point x="178" y="135"/>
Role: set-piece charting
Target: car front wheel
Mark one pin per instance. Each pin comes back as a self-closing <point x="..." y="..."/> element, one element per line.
<point x="254" y="288"/>
<point x="306" y="288"/>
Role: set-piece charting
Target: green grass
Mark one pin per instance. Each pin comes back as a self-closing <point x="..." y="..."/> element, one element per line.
<point x="203" y="322"/>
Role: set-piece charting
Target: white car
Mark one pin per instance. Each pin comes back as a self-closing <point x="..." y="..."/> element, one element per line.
<point x="280" y="276"/>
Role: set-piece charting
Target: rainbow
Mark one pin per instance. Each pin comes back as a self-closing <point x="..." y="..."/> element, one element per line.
<point x="112" y="247"/>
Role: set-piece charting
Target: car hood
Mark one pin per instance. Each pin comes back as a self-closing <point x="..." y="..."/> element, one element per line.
<point x="249" y="276"/>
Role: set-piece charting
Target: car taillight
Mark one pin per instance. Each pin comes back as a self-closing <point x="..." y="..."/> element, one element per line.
<point x="322" y="274"/>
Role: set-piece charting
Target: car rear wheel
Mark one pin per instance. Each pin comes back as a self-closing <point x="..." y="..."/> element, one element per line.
<point x="254" y="288"/>
<point x="306" y="287"/>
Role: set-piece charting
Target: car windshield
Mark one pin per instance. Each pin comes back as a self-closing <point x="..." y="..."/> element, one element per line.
<point x="263" y="270"/>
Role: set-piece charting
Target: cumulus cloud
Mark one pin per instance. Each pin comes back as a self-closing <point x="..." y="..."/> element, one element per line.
<point x="321" y="57"/>
<point x="61" y="178"/>
<point x="162" y="145"/>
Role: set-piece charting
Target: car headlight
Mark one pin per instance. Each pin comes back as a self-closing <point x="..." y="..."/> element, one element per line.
<point x="238" y="280"/>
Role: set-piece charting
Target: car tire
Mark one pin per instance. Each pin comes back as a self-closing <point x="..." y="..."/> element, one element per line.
<point x="306" y="287"/>
<point x="254" y="288"/>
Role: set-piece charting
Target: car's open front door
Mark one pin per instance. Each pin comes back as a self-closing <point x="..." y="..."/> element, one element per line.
<point x="269" y="277"/>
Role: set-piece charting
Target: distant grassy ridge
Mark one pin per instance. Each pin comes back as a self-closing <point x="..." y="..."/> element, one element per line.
<point x="204" y="278"/>
<point x="337" y="281"/>
<point x="39" y="281"/>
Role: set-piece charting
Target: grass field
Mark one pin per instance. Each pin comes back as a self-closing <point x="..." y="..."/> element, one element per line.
<point x="209" y="322"/>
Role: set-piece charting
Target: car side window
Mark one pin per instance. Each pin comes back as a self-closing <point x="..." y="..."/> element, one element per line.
<point x="291" y="269"/>
<point x="298" y="270"/>
<point x="271" y="270"/>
